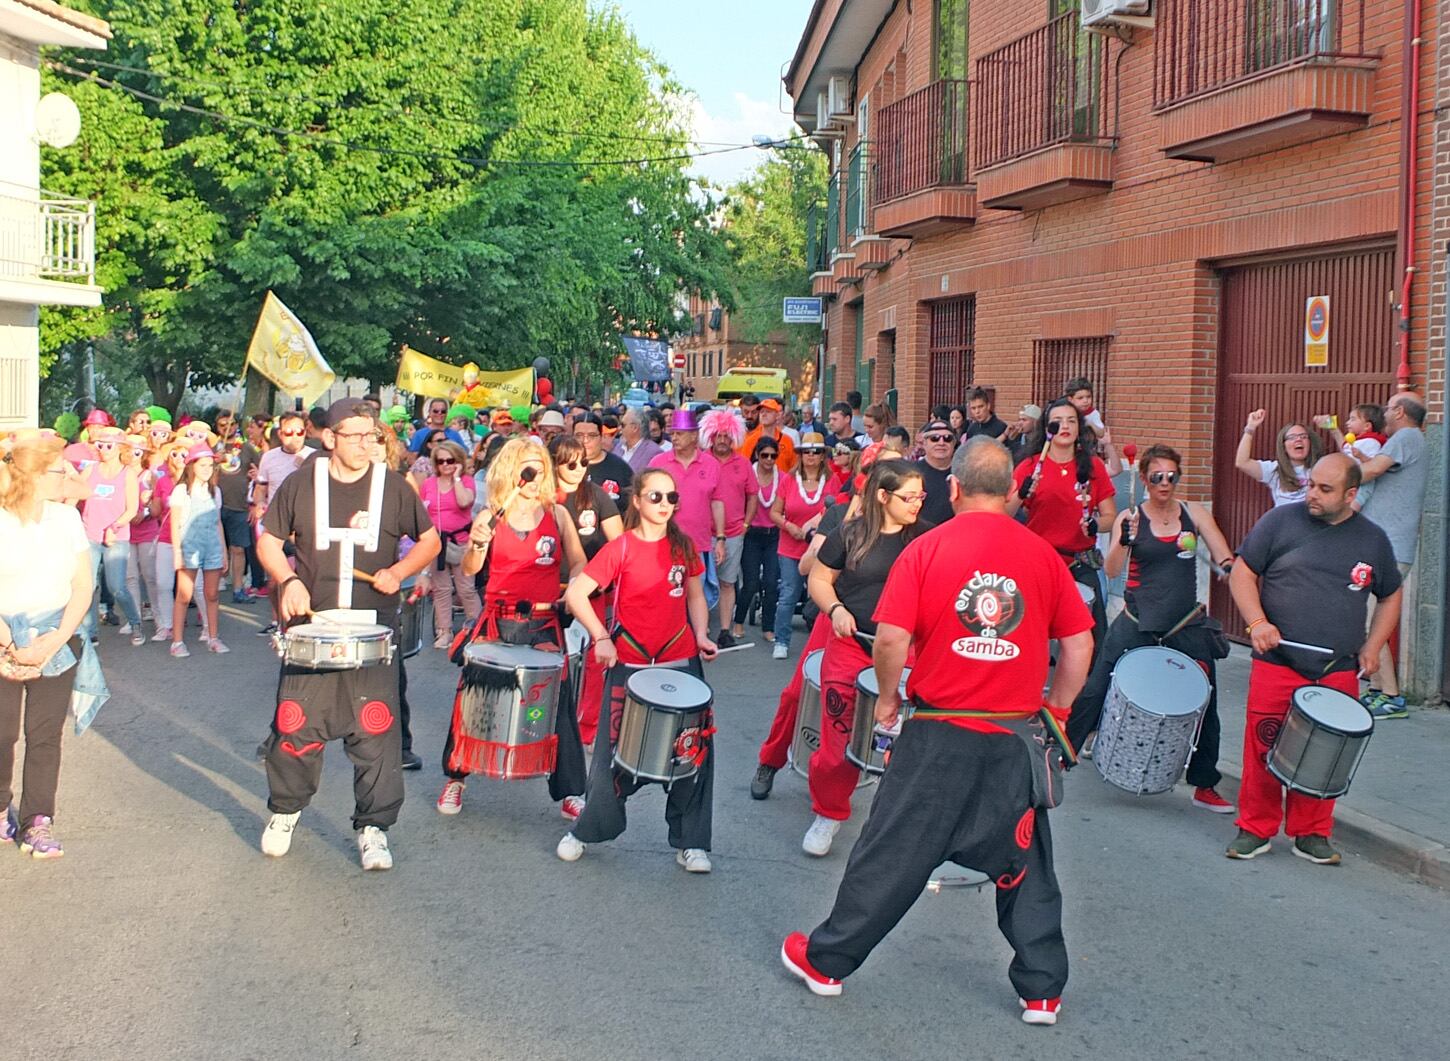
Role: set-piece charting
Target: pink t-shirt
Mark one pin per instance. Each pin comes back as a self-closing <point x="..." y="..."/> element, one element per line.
<point x="106" y="504"/>
<point x="737" y="484"/>
<point x="767" y="498"/>
<point x="799" y="509"/>
<point x="147" y="529"/>
<point x="164" y="485"/>
<point x="699" y="484"/>
<point x="444" y="510"/>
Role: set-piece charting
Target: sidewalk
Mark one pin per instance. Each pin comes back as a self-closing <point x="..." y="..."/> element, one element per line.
<point x="1397" y="811"/>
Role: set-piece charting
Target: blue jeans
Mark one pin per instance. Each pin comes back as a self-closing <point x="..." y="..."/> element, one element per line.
<point x="114" y="557"/>
<point x="792" y="585"/>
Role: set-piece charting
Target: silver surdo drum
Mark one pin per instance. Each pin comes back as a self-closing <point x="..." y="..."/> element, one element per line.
<point x="1319" y="746"/>
<point x="411" y="622"/>
<point x="870" y="745"/>
<point x="808" y="715"/>
<point x="509" y="699"/>
<point x="334" y="646"/>
<point x="665" y="725"/>
<point x="1150" y="719"/>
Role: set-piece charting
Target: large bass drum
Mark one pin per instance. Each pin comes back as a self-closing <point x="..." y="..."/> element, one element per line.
<point x="509" y="700"/>
<point x="1321" y="742"/>
<point x="665" y="725"/>
<point x="808" y="715"/>
<point x="1150" y="719"/>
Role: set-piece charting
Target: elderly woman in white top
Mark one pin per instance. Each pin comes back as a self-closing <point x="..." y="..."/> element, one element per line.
<point x="45" y="591"/>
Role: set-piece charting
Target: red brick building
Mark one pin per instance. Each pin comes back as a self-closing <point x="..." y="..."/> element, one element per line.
<point x="1016" y="201"/>
<point x="713" y="347"/>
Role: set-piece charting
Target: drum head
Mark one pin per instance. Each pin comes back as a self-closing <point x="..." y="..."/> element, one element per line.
<point x="812" y="667"/>
<point x="509" y="657"/>
<point x="1161" y="680"/>
<point x="668" y="689"/>
<point x="334" y="632"/>
<point x="1333" y="710"/>
<point x="866" y="682"/>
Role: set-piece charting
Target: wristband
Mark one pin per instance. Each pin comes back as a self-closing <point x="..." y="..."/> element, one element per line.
<point x="832" y="609"/>
<point x="1250" y="628"/>
<point x="283" y="587"/>
<point x="597" y="640"/>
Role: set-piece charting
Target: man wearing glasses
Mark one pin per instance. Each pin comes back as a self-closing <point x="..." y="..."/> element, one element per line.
<point x="606" y="471"/>
<point x="940" y="443"/>
<point x="345" y="516"/>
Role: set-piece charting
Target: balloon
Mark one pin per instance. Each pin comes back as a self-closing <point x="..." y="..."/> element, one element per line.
<point x="541" y="366"/>
<point x="546" y="390"/>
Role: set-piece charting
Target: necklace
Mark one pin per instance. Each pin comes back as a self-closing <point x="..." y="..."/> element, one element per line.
<point x="810" y="499"/>
<point x="774" y="486"/>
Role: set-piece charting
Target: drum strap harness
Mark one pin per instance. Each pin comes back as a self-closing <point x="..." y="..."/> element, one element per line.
<point x="1047" y="744"/>
<point x="347" y="538"/>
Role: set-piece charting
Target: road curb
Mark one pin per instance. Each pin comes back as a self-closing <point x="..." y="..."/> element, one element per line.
<point x="1388" y="845"/>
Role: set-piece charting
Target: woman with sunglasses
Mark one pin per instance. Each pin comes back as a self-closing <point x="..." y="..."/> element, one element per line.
<point x="597" y="519"/>
<point x="145" y="529"/>
<point x="165" y="473"/>
<point x="845" y="463"/>
<point x="660" y="619"/>
<point x="107" y="514"/>
<point x="1158" y="544"/>
<point x="197" y="546"/>
<point x="796" y="511"/>
<point x="760" y="555"/>
<point x="422" y="467"/>
<point x="530" y="545"/>
<point x="1287" y="476"/>
<point x="846" y="583"/>
<point x="447" y="494"/>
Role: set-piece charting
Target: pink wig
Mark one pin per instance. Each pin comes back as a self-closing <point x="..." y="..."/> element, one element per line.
<point x="719" y="422"/>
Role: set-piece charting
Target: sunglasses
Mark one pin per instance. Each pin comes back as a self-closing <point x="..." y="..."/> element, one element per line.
<point x="654" y="497"/>
<point x="444" y="462"/>
<point x="1158" y="478"/>
<point x="292" y="434"/>
<point x="766" y="455"/>
<point x="572" y="466"/>
<point x="105" y="445"/>
<point x="937" y="438"/>
<point x="843" y="451"/>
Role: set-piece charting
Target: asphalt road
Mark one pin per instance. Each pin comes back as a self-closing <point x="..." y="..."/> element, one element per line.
<point x="164" y="933"/>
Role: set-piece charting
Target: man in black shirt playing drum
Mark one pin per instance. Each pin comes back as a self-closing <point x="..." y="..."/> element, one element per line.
<point x="345" y="515"/>
<point x="1305" y="575"/>
<point x="1158" y="541"/>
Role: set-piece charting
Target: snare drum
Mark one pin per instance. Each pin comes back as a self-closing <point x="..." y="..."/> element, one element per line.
<point x="328" y="646"/>
<point x="808" y="715"/>
<point x="665" y="725"/>
<point x="870" y="746"/>
<point x="1321" y="742"/>
<point x="1150" y="720"/>
<point x="509" y="700"/>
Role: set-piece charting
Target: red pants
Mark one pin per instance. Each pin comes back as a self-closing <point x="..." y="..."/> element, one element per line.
<point x="782" y="727"/>
<point x="1263" y="801"/>
<point x="591" y="685"/>
<point x="833" y="777"/>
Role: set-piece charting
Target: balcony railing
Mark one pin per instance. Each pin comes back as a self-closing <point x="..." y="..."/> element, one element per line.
<point x="47" y="239"/>
<point x="1206" y="44"/>
<point x="1048" y="87"/>
<point x="816" y="260"/>
<point x="833" y="215"/>
<point x="921" y="142"/>
<point x="858" y="194"/>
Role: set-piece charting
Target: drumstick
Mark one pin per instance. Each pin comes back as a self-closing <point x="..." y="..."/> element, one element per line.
<point x="1048" y="432"/>
<point x="362" y="576"/>
<point x="526" y="476"/>
<point x="1307" y="648"/>
<point x="734" y="648"/>
<point x="1131" y="452"/>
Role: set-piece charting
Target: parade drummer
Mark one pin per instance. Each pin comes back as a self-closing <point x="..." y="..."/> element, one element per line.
<point x="1158" y="543"/>
<point x="531" y="547"/>
<point x="345" y="515"/>
<point x="660" y="619"/>
<point x="978" y="598"/>
<point x="1305" y="574"/>
<point x="846" y="583"/>
<point x="1067" y="494"/>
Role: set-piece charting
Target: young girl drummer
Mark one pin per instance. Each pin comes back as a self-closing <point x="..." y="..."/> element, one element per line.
<point x="660" y="619"/>
<point x="531" y="547"/>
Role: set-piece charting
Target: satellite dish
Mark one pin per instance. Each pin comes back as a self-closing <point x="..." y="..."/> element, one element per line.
<point x="57" y="120"/>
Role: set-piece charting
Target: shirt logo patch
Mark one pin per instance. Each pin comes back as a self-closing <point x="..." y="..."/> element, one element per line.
<point x="990" y="606"/>
<point x="611" y="488"/>
<point x="677" y="580"/>
<point x="545" y="549"/>
<point x="587" y="521"/>
<point x="1360" y="577"/>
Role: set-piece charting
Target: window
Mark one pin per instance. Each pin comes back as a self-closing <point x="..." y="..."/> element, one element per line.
<point x="715" y="319"/>
<point x="950" y="32"/>
<point x="1055" y="361"/>
<point x="953" y="345"/>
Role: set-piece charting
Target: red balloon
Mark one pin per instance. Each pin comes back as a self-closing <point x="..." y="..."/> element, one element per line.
<point x="546" y="390"/>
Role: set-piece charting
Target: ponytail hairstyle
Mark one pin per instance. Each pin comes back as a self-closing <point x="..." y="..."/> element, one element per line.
<point x="1082" y="449"/>
<point x="682" y="550"/>
<point x="861" y="534"/>
<point x="21" y="469"/>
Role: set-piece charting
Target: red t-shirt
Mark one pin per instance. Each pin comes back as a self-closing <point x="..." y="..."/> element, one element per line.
<point x="981" y="595"/>
<point x="1055" y="509"/>
<point x="526" y="569"/>
<point x="799" y="509"/>
<point x="649" y="597"/>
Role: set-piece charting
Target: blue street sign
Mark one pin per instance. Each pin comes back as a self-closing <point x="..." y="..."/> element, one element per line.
<point x="802" y="311"/>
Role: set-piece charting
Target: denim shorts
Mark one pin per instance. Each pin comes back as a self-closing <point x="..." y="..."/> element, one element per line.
<point x="237" y="528"/>
<point x="201" y="552"/>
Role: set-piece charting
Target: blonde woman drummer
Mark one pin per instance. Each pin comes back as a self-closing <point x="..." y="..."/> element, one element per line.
<point x="531" y="547"/>
<point x="660" y="618"/>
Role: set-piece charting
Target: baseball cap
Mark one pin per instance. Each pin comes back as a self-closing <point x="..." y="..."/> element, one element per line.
<point x="502" y="416"/>
<point x="770" y="403"/>
<point x="344" y="408"/>
<point x="1030" y="412"/>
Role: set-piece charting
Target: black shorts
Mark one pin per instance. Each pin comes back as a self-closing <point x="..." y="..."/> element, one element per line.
<point x="237" y="527"/>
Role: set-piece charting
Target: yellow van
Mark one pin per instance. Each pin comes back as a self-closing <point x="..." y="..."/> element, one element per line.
<point x="766" y="382"/>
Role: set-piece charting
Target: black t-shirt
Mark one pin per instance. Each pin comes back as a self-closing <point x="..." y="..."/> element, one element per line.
<point x="860" y="588"/>
<point x="612" y="475"/>
<point x="232" y="467"/>
<point x="292" y="515"/>
<point x="589" y="521"/>
<point x="937" y="508"/>
<point x="993" y="428"/>
<point x="1315" y="581"/>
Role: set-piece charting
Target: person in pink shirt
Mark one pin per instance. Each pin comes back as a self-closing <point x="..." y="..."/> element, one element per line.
<point x="797" y="510"/>
<point x="447" y="494"/>
<point x="145" y="528"/>
<point x="107" y="519"/>
<point x="722" y="434"/>
<point x="701" y="511"/>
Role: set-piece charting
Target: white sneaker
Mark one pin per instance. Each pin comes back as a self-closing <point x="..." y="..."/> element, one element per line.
<point x="780" y="651"/>
<point x="163" y="634"/>
<point x="450" y="800"/>
<point x="179" y="650"/>
<point x="694" y="860"/>
<point x="277" y="836"/>
<point x="570" y="849"/>
<point x="124" y="630"/>
<point x="572" y="807"/>
<point x="819" y="836"/>
<point x="216" y="646"/>
<point x="372" y="845"/>
<point x="138" y="638"/>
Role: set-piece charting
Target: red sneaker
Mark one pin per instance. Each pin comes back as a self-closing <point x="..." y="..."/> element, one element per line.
<point x="1040" y="1010"/>
<point x="571" y="808"/>
<point x="793" y="954"/>
<point x="1210" y="800"/>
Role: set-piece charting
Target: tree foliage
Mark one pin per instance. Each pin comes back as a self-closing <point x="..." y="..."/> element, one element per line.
<point x="398" y="173"/>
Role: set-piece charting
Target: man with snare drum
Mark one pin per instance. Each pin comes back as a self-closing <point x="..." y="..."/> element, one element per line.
<point x="1302" y="582"/>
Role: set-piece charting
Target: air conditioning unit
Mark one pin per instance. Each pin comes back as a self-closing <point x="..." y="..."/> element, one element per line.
<point x="823" y="110"/>
<point x="1108" y="14"/>
<point x="839" y="99"/>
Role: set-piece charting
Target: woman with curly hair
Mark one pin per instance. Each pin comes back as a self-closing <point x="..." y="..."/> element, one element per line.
<point x="447" y="494"/>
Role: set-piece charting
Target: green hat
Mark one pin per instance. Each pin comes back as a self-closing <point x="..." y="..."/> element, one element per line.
<point x="462" y="409"/>
<point x="394" y="414"/>
<point x="520" y="413"/>
<point x="158" y="414"/>
<point x="480" y="430"/>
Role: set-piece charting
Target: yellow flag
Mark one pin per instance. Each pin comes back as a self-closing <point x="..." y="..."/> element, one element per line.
<point x="282" y="350"/>
<point x="421" y="374"/>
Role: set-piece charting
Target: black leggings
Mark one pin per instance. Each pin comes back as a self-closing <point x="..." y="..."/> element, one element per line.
<point x="44" y="703"/>
<point x="760" y="573"/>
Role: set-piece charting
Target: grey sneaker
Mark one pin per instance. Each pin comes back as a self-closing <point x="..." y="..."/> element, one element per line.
<point x="1246" y="846"/>
<point x="1317" y="850"/>
<point x="1385" y="706"/>
<point x="762" y="782"/>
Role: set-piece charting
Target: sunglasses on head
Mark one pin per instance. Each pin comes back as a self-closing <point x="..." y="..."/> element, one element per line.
<point x="654" y="497"/>
<point x="1157" y="478"/>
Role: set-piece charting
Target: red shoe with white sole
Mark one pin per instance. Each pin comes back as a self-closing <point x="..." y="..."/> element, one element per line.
<point x="1040" y="1010"/>
<point x="1210" y="800"/>
<point x="793" y="955"/>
